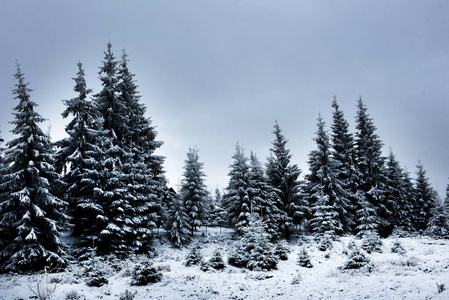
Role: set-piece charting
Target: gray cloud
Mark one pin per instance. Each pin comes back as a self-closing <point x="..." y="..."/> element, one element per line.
<point x="214" y="72"/>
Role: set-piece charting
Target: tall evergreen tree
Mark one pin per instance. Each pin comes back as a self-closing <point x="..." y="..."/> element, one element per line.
<point x="78" y="158"/>
<point x="237" y="199"/>
<point x="424" y="198"/>
<point x="143" y="169"/>
<point x="446" y="202"/>
<point x="370" y="163"/>
<point x="31" y="215"/>
<point x="397" y="191"/>
<point x="283" y="177"/>
<point x="343" y="152"/>
<point x="194" y="192"/>
<point x="112" y="193"/>
<point x="266" y="202"/>
<point x="328" y="199"/>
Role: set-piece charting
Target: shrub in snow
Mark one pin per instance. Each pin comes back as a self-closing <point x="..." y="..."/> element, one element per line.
<point x="371" y="242"/>
<point x="127" y="295"/>
<point x="73" y="295"/>
<point x="297" y="278"/>
<point x="96" y="280"/>
<point x="304" y="259"/>
<point x="398" y="248"/>
<point x="357" y="260"/>
<point x="254" y="250"/>
<point x="144" y="273"/>
<point x="324" y="242"/>
<point x="216" y="261"/>
<point x="282" y="250"/>
<point x="194" y="258"/>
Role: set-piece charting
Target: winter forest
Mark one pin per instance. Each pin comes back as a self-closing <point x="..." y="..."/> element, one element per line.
<point x="97" y="202"/>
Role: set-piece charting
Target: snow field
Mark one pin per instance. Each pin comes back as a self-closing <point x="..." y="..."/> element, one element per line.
<point x="414" y="275"/>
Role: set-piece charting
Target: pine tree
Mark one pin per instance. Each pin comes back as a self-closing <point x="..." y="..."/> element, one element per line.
<point x="236" y="199"/>
<point x="438" y="225"/>
<point x="283" y="177"/>
<point x="194" y="193"/>
<point x="31" y="215"/>
<point x="424" y="198"/>
<point x="142" y="168"/>
<point x="343" y="153"/>
<point x="112" y="193"/>
<point x="177" y="224"/>
<point x="397" y="192"/>
<point x="446" y="202"/>
<point x="266" y="202"/>
<point x="370" y="163"/>
<point x="367" y="219"/>
<point x="78" y="158"/>
<point x="329" y="204"/>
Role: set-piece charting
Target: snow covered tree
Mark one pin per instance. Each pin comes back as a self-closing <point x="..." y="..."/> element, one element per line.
<point x="177" y="224"/>
<point x="283" y="177"/>
<point x="236" y="199"/>
<point x="112" y="194"/>
<point x="366" y="219"/>
<point x="266" y="201"/>
<point x="343" y="153"/>
<point x="31" y="214"/>
<point x="446" y="202"/>
<point x="78" y="158"/>
<point x="194" y="192"/>
<point x="438" y="226"/>
<point x="370" y="163"/>
<point x="424" y="198"/>
<point x="142" y="168"/>
<point x="303" y="259"/>
<point x="327" y="197"/>
<point x="397" y="192"/>
<point x="254" y="251"/>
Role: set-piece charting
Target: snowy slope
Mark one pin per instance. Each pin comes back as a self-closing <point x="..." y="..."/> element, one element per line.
<point x="414" y="275"/>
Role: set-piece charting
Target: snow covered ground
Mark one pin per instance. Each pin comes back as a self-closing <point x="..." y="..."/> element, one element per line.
<point x="415" y="275"/>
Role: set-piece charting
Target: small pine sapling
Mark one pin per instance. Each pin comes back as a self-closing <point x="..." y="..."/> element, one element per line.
<point x="216" y="261"/>
<point x="325" y="242"/>
<point x="398" y="248"/>
<point x="144" y="273"/>
<point x="282" y="250"/>
<point x="357" y="260"/>
<point x="371" y="242"/>
<point x="304" y="259"/>
<point x="194" y="258"/>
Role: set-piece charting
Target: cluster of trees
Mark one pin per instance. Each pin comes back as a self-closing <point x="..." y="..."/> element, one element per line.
<point x="104" y="179"/>
<point x="105" y="184"/>
<point x="351" y="188"/>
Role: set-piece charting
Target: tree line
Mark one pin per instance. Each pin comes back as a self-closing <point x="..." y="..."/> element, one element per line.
<point x="106" y="185"/>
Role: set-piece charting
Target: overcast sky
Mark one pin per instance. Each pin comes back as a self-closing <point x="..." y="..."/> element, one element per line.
<point x="212" y="73"/>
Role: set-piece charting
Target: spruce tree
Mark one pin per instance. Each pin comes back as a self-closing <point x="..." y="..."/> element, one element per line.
<point x="266" y="201"/>
<point x="370" y="163"/>
<point x="397" y="193"/>
<point x="236" y="199"/>
<point x="177" y="224"/>
<point x="327" y="197"/>
<point x="446" y="202"/>
<point x="112" y="193"/>
<point x="424" y="198"/>
<point x="78" y="158"/>
<point x="31" y="214"/>
<point x="194" y="193"/>
<point x="343" y="153"/>
<point x="142" y="168"/>
<point x="283" y="177"/>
